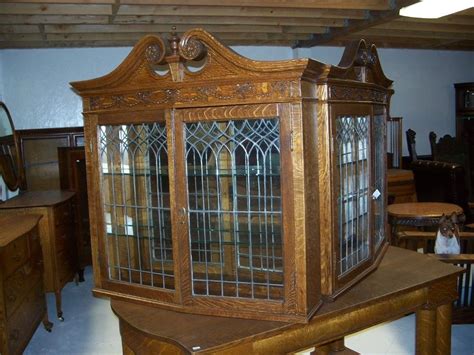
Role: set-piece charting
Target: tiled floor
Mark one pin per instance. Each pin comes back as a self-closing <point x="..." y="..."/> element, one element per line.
<point x="91" y="328"/>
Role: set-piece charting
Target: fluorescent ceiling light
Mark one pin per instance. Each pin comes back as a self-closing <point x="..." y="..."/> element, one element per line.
<point x="435" y="8"/>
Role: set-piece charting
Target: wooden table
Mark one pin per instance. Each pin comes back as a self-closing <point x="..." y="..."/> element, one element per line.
<point x="419" y="214"/>
<point x="404" y="282"/>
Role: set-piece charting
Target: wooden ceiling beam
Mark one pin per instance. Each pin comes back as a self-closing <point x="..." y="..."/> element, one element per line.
<point x="238" y="11"/>
<point x="453" y="19"/>
<point x="106" y="29"/>
<point x="82" y="2"/>
<point x="373" y="18"/>
<point x="229" y="20"/>
<point x="413" y="34"/>
<point x="431" y="27"/>
<point x="304" y="4"/>
<point x="19" y="29"/>
<point x="137" y="35"/>
<point x="313" y="4"/>
<point x="21" y="37"/>
<point x="126" y="43"/>
<point x="53" y="19"/>
<point x="54" y="9"/>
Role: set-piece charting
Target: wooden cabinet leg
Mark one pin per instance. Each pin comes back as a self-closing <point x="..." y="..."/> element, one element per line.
<point x="443" y="329"/>
<point x="46" y="323"/>
<point x="426" y="332"/>
<point x="59" y="310"/>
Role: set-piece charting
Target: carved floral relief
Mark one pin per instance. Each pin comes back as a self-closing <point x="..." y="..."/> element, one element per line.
<point x="211" y="93"/>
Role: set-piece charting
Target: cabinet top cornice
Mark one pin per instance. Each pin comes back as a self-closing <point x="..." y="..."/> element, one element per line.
<point x="359" y="63"/>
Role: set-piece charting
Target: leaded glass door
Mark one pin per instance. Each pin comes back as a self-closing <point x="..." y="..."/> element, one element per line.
<point x="135" y="197"/>
<point x="359" y="180"/>
<point x="233" y="206"/>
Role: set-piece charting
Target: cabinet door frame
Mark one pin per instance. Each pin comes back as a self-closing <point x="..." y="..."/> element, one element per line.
<point x="97" y="216"/>
<point x="344" y="280"/>
<point x="227" y="113"/>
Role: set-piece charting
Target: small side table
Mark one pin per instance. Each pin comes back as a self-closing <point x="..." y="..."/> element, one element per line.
<point x="419" y="214"/>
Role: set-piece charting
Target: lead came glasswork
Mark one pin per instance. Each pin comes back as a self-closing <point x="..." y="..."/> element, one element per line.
<point x="352" y="179"/>
<point x="234" y="197"/>
<point x="379" y="134"/>
<point x="136" y="203"/>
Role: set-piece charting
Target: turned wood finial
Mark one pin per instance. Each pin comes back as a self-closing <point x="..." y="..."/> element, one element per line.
<point x="174" y="41"/>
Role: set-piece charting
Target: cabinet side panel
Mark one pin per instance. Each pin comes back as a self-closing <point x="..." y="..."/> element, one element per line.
<point x="325" y="189"/>
<point x="93" y="189"/>
<point x="312" y="205"/>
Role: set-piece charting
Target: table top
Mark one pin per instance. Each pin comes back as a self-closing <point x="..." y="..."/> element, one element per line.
<point x="30" y="199"/>
<point x="400" y="271"/>
<point x="423" y="209"/>
<point x="14" y="226"/>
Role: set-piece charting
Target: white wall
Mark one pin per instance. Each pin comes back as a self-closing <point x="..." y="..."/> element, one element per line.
<point x="36" y="81"/>
<point x="37" y="92"/>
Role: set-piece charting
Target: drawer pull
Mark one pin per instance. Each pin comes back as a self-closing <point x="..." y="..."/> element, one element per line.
<point x="11" y="297"/>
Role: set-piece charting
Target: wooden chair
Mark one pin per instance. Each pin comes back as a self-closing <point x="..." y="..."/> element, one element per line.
<point x="463" y="307"/>
<point x="440" y="181"/>
<point x="411" y="143"/>
<point x="453" y="150"/>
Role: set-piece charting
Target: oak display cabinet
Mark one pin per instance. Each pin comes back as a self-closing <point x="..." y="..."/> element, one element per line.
<point x="226" y="186"/>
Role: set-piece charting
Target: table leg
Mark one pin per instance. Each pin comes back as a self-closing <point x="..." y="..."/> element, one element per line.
<point x="433" y="330"/>
<point x="337" y="347"/>
<point x="443" y="328"/>
<point x="426" y="331"/>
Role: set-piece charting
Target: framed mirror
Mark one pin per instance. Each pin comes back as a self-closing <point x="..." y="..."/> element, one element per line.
<point x="10" y="162"/>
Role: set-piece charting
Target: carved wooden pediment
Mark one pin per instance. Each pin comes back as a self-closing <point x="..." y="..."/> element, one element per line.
<point x="360" y="62"/>
<point x="157" y="73"/>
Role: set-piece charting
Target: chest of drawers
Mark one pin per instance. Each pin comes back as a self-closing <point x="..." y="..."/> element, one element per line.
<point x="56" y="230"/>
<point x="22" y="299"/>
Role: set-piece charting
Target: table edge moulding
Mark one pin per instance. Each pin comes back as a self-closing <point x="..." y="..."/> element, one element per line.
<point x="223" y="185"/>
<point x="56" y="232"/>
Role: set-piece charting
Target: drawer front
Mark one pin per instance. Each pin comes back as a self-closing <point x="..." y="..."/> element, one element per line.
<point x="35" y="243"/>
<point x="23" y="322"/>
<point x="63" y="214"/>
<point x="14" y="255"/>
<point x="64" y="237"/>
<point x="65" y="262"/>
<point x="20" y="283"/>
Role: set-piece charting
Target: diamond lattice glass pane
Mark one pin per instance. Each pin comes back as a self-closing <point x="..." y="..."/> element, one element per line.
<point x="352" y="181"/>
<point x="234" y="196"/>
<point x="135" y="194"/>
<point x="379" y="134"/>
